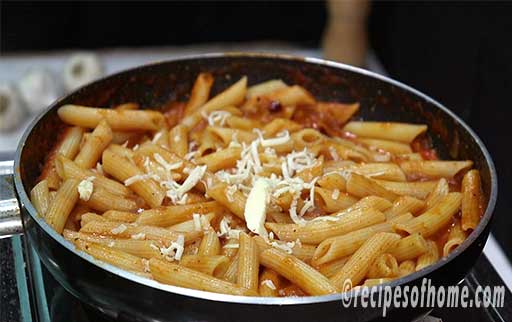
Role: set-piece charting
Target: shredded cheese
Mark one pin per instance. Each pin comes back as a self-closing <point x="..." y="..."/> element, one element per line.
<point x="175" y="250"/>
<point x="217" y="117"/>
<point x="85" y="188"/>
<point x="269" y="284"/>
<point x="335" y="194"/>
<point x="119" y="229"/>
<point x="138" y="236"/>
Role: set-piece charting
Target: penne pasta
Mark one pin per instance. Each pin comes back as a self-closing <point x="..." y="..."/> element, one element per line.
<point x="94" y="145"/>
<point x="434" y="219"/>
<point x="396" y="148"/>
<point x="178" y="140"/>
<point x="361" y="186"/>
<point x="200" y="92"/>
<point x="416" y="189"/>
<point x="270" y="283"/>
<point x="471" y="196"/>
<point x="40" y="197"/>
<point x="248" y="263"/>
<point x="405" y="204"/>
<point x="208" y="264"/>
<point x="62" y="205"/>
<point x="358" y="265"/>
<point x="345" y="245"/>
<point x="170" y="273"/>
<point x="122" y="169"/>
<point x="400" y="132"/>
<point x="429" y="257"/>
<point x="210" y="244"/>
<point x="298" y="272"/>
<point x="317" y="231"/>
<point x="409" y="248"/>
<point x="171" y="215"/>
<point x="406" y="267"/>
<point x="456" y="237"/>
<point x="434" y="169"/>
<point x="119" y="120"/>
<point x="384" y="266"/>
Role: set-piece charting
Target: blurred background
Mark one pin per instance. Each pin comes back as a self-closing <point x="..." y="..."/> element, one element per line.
<point x="459" y="53"/>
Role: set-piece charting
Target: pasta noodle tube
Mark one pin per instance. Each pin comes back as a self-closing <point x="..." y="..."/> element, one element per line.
<point x="270" y="283"/>
<point x="178" y="140"/>
<point x="434" y="219"/>
<point x="361" y="186"/>
<point x="231" y="272"/>
<point x="471" y="196"/>
<point x="248" y="263"/>
<point x="233" y="95"/>
<point x="237" y="202"/>
<point x="332" y="180"/>
<point x="302" y="251"/>
<point x="416" y="189"/>
<point x="68" y="147"/>
<point x="292" y="95"/>
<point x="226" y="135"/>
<point x="191" y="225"/>
<point x="298" y="272"/>
<point x="434" y="169"/>
<point x="376" y="281"/>
<point x="170" y="273"/>
<point x="94" y="145"/>
<point x="381" y="170"/>
<point x="102" y="200"/>
<point x="87" y="217"/>
<point x="140" y="248"/>
<point x="330" y="269"/>
<point x="171" y="215"/>
<point x="407" y="267"/>
<point x="241" y="123"/>
<point x="120" y="230"/>
<point x="332" y="201"/>
<point x="384" y="266"/>
<point x="456" y="237"/>
<point x="437" y="194"/>
<point x="316" y="231"/>
<point x="358" y="265"/>
<point x="210" y="265"/>
<point x="223" y="159"/>
<point x="115" y="215"/>
<point x="62" y="204"/>
<point x="40" y="197"/>
<point x="122" y="169"/>
<point x="200" y="92"/>
<point x="307" y="138"/>
<point x="210" y="244"/>
<point x="278" y="125"/>
<point x="71" y="170"/>
<point x="401" y="132"/>
<point x="265" y="88"/>
<point x="409" y="247"/>
<point x="389" y="146"/>
<point x="119" y="120"/>
<point x="345" y="245"/>
<point x="112" y="256"/>
<point x="429" y="257"/>
<point x="403" y="205"/>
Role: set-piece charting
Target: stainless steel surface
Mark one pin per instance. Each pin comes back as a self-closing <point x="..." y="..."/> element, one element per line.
<point x="108" y="287"/>
<point x="10" y="220"/>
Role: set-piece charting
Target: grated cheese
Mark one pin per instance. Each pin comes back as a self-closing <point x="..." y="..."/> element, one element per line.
<point x="175" y="250"/>
<point x="157" y="136"/>
<point x="217" y="117"/>
<point x="138" y="236"/>
<point x="119" y="229"/>
<point x="281" y="138"/>
<point x="99" y="169"/>
<point x="85" y="188"/>
<point x="335" y="194"/>
<point x="230" y="191"/>
<point x="234" y="246"/>
<point x="197" y="222"/>
<point x="269" y="284"/>
<point x="334" y="153"/>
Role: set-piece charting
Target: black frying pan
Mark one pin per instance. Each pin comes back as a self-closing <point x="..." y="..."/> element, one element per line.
<point x="126" y="296"/>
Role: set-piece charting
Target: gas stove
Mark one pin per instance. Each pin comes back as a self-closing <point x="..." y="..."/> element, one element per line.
<point x="28" y="293"/>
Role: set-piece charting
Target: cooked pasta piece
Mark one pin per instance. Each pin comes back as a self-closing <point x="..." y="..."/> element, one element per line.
<point x="62" y="205"/>
<point x="429" y="257"/>
<point x="456" y="237"/>
<point x="401" y="132"/>
<point x="384" y="266"/>
<point x="471" y="196"/>
<point x="358" y="265"/>
<point x="40" y="197"/>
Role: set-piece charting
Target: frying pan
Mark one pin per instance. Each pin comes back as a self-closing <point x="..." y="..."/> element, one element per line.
<point x="128" y="297"/>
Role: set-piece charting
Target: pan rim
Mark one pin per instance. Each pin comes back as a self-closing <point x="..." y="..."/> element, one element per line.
<point x="235" y="299"/>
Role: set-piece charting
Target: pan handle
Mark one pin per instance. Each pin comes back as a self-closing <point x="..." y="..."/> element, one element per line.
<point x="10" y="218"/>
